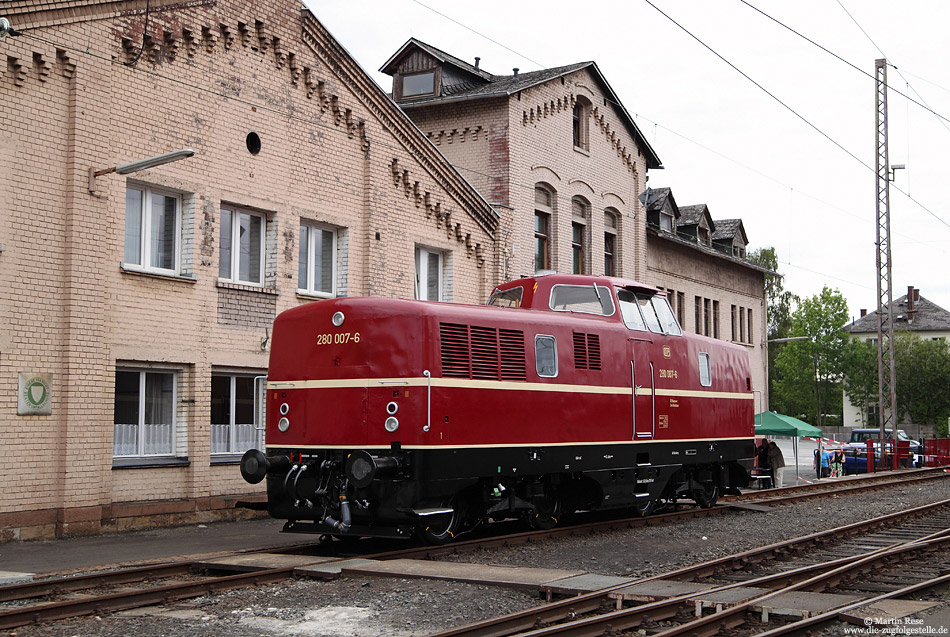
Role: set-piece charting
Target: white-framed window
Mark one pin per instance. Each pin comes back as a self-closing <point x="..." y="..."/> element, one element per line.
<point x="242" y="246"/>
<point x="144" y="415"/>
<point x="611" y="230"/>
<point x="317" y="262"/>
<point x="428" y="274"/>
<point x="152" y="229"/>
<point x="580" y="213"/>
<point x="705" y="373"/>
<point x="235" y="403"/>
<point x="581" y="123"/>
<point x="545" y="355"/>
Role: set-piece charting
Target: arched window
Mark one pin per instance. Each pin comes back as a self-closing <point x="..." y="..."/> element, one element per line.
<point x="544" y="200"/>
<point x="580" y="214"/>
<point x="611" y="241"/>
<point x="581" y="123"/>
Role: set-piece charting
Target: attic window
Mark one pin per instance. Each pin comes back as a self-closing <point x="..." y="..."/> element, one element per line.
<point x="666" y="221"/>
<point x="418" y="84"/>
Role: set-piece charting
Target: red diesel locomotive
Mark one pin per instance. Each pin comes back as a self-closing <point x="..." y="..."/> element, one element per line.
<point x="387" y="417"/>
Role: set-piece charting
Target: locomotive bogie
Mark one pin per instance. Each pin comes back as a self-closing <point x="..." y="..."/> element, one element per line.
<point x="387" y="415"/>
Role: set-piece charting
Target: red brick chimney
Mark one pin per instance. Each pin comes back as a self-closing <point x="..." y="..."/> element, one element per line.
<point x="913" y="295"/>
<point x="864" y="312"/>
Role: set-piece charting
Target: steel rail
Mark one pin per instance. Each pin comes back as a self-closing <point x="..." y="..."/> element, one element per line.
<point x="42" y="588"/>
<point x="133" y="599"/>
<point x="563" y="609"/>
<point x="815" y="621"/>
<point x="870" y="481"/>
<point x="800" y="578"/>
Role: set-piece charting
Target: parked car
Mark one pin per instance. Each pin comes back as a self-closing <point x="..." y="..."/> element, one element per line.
<point x="856" y="448"/>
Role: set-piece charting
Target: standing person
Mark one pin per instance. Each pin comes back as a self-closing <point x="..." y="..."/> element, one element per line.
<point x="776" y="462"/>
<point x="762" y="461"/>
<point x="837" y="463"/>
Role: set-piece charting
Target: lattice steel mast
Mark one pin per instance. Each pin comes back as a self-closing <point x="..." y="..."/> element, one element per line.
<point x="886" y="375"/>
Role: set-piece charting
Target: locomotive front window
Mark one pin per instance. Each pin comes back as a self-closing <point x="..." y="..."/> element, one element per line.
<point x="589" y="299"/>
<point x="507" y="298"/>
<point x="665" y="313"/>
<point x="649" y="314"/>
<point x="545" y="355"/>
<point x="630" y="311"/>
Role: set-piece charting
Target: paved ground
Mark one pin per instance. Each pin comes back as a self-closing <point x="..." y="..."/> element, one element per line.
<point x="57" y="556"/>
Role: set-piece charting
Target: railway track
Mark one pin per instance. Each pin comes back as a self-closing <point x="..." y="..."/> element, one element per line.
<point x="60" y="598"/>
<point x="740" y="589"/>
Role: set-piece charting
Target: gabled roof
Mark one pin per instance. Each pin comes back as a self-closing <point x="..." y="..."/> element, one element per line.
<point x="928" y="317"/>
<point x="508" y="85"/>
<point x="729" y="229"/>
<point x="655" y="199"/>
<point x="693" y="215"/>
<point x="393" y="62"/>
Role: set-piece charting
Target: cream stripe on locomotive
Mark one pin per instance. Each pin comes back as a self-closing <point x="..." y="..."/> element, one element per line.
<point x="354" y="383"/>
<point x="438" y="447"/>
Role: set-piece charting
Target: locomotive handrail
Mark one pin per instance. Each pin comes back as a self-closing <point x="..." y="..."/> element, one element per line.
<point x="428" y="376"/>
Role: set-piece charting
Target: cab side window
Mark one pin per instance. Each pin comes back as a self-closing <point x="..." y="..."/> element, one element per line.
<point x="705" y="372"/>
<point x="545" y="354"/>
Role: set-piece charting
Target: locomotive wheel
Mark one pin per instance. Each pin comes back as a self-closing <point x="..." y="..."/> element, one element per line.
<point x="548" y="511"/>
<point x="439" y="529"/>
<point x="644" y="509"/>
<point x="706" y="496"/>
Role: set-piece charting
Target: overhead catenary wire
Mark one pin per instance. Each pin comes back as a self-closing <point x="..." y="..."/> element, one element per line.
<point x="794" y="112"/>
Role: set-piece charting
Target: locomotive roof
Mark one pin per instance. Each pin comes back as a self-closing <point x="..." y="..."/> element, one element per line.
<point x="580" y="279"/>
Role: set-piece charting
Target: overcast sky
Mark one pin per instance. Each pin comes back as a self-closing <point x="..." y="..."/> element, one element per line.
<point x="724" y="141"/>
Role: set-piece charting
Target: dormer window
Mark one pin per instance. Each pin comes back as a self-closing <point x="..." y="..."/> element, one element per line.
<point x="704" y="236"/>
<point x="418" y="84"/>
<point x="666" y="222"/>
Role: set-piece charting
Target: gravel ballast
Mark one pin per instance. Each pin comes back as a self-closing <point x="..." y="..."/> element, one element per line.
<point x="378" y="607"/>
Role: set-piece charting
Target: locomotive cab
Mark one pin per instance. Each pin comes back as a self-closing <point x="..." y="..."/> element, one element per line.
<point x="389" y="417"/>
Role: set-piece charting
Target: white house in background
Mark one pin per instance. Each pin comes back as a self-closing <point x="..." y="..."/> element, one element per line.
<point x="912" y="312"/>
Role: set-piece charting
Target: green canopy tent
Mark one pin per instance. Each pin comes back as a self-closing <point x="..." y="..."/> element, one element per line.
<point x="769" y="423"/>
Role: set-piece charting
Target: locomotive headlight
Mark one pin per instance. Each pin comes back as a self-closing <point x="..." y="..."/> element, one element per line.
<point x="338" y="319"/>
<point x="392" y="408"/>
<point x="391" y="424"/>
<point x="283" y="424"/>
<point x="284" y="408"/>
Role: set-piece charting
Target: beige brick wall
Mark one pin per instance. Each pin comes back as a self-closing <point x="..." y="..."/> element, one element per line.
<point x="333" y="151"/>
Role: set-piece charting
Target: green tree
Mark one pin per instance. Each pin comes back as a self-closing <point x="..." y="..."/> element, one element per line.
<point x="810" y="382"/>
<point x="780" y="306"/>
<point x="922" y="368"/>
<point x="859" y="377"/>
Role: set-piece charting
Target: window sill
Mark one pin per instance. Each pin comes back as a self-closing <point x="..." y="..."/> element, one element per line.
<point x="225" y="458"/>
<point x="582" y="151"/>
<point x="314" y="296"/>
<point x="135" y="270"/>
<point x="246" y="287"/>
<point x="146" y="462"/>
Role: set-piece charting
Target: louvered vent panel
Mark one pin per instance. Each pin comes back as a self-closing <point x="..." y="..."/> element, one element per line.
<point x="484" y="352"/>
<point x="593" y="351"/>
<point x="580" y="350"/>
<point x="456" y="359"/>
<point x="511" y="344"/>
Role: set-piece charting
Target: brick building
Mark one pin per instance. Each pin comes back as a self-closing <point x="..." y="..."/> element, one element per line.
<point x="558" y="152"/>
<point x="136" y="306"/>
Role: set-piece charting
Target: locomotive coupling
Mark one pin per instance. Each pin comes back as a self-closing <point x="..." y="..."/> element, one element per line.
<point x="255" y="465"/>
<point x="362" y="468"/>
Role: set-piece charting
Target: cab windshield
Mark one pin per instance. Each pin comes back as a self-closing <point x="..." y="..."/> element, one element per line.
<point x="642" y="312"/>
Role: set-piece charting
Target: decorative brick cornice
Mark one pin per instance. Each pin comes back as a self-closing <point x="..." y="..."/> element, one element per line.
<point x="397" y="123"/>
<point x="26" y="14"/>
<point x="552" y="107"/>
<point x="442" y="217"/>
